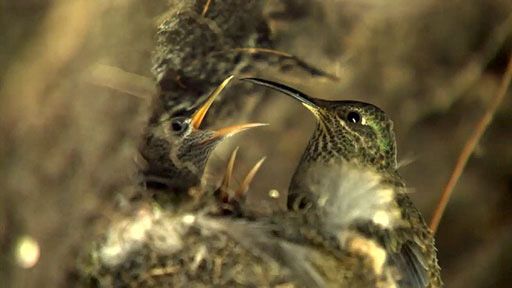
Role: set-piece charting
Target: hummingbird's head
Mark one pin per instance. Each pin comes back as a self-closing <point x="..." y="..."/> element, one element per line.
<point x="348" y="130"/>
<point x="183" y="147"/>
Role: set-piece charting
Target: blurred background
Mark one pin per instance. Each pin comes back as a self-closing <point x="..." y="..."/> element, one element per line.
<point x="79" y="80"/>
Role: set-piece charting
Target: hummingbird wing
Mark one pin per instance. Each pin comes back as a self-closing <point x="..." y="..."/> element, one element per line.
<point x="410" y="263"/>
<point x="414" y="255"/>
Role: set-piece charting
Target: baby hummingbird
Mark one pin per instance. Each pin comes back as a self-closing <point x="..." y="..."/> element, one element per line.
<point x="177" y="148"/>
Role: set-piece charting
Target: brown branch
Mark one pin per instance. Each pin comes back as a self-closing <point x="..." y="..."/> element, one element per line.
<point x="469" y="147"/>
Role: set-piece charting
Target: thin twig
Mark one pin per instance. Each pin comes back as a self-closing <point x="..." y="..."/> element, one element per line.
<point x="469" y="147"/>
<point x="206" y="7"/>
<point x="253" y="50"/>
<point x="313" y="70"/>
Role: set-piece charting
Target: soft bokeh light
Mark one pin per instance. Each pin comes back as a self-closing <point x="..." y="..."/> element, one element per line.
<point x="27" y="252"/>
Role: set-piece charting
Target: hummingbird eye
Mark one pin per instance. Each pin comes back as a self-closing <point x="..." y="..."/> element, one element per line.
<point x="179" y="124"/>
<point x="353" y="117"/>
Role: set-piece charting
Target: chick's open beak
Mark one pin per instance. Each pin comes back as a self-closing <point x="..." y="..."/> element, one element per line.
<point x="306" y="100"/>
<point x="232" y="130"/>
<point x="199" y="115"/>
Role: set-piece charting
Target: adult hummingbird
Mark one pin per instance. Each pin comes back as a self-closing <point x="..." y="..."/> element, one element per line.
<point x="362" y="134"/>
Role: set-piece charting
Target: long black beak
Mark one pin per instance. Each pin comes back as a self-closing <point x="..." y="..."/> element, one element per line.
<point x="306" y="100"/>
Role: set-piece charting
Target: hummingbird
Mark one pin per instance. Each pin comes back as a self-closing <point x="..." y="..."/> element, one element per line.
<point x="214" y="242"/>
<point x="176" y="148"/>
<point x="362" y="134"/>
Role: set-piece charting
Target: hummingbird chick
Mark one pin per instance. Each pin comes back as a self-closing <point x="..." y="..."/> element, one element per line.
<point x="362" y="134"/>
<point x="176" y="148"/>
